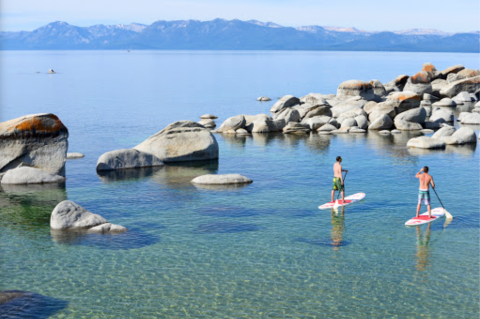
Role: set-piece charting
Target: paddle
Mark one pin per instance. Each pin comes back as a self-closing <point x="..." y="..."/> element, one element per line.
<point x="447" y="214"/>
<point x="335" y="206"/>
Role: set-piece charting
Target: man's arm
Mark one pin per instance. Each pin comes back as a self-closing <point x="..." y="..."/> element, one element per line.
<point x="431" y="182"/>
<point x="418" y="174"/>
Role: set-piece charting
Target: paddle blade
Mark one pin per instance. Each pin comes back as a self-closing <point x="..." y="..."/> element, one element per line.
<point x="335" y="206"/>
<point x="447" y="214"/>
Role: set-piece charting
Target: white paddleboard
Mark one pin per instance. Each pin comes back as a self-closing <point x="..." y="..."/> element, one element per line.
<point x="423" y="218"/>
<point x="348" y="200"/>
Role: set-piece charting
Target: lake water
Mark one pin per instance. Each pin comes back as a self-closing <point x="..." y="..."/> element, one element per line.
<point x="259" y="251"/>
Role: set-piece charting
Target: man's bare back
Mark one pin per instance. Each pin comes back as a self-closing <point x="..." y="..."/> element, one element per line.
<point x="337" y="170"/>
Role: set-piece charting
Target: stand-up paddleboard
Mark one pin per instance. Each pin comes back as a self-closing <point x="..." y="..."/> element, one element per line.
<point x="437" y="213"/>
<point x="348" y="200"/>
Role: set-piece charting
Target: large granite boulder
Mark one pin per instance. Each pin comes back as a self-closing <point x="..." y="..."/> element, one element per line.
<point x="30" y="175"/>
<point x="347" y="105"/>
<point x="314" y="99"/>
<point x="207" y="123"/>
<point x="441" y="114"/>
<point x="289" y="115"/>
<point x="445" y="131"/>
<point x="127" y="158"/>
<point x="362" y="122"/>
<point x="437" y="86"/>
<point x="431" y="69"/>
<point x="452" y="69"/>
<point x="470" y="85"/>
<point x="225" y="179"/>
<point x="351" y="88"/>
<point x="181" y="141"/>
<point x="466" y="135"/>
<point x="416" y="115"/>
<point x="318" y="110"/>
<point x="232" y="123"/>
<point x="404" y="101"/>
<point x="419" y="83"/>
<point x="464" y="74"/>
<point x="316" y="122"/>
<point x="350" y="122"/>
<point x="407" y="126"/>
<point x="296" y="128"/>
<point x="426" y="142"/>
<point x="369" y="106"/>
<point x="389" y="108"/>
<point x="378" y="90"/>
<point x="397" y="84"/>
<point x="285" y="102"/>
<point x="384" y="122"/>
<point x="68" y="215"/>
<point x="445" y="102"/>
<point x="39" y="140"/>
<point x="471" y="118"/>
<point x="327" y="128"/>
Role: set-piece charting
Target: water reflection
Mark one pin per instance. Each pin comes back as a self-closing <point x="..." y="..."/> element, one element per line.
<point x="264" y="139"/>
<point x="180" y="175"/>
<point x="466" y="150"/>
<point x="423" y="251"/>
<point x="30" y="205"/>
<point x="23" y="304"/>
<point x="219" y="187"/>
<point x="127" y="174"/>
<point x="132" y="239"/>
<point x="338" y="228"/>
<point x="235" y="140"/>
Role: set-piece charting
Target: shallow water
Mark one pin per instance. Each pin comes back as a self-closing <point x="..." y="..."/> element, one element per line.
<point x="259" y="251"/>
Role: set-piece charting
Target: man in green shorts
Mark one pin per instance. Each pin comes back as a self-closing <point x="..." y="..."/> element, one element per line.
<point x="338" y="179"/>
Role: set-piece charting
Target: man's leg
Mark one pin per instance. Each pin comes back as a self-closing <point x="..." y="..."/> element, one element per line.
<point x="418" y="208"/>
<point x="333" y="194"/>
<point x="429" y="211"/>
<point x="343" y="195"/>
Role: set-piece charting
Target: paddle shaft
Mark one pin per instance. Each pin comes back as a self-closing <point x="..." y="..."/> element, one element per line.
<point x="339" y="191"/>
<point x="438" y="198"/>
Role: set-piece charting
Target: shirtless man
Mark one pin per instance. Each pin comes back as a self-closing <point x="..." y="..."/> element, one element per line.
<point x="425" y="181"/>
<point x="338" y="179"/>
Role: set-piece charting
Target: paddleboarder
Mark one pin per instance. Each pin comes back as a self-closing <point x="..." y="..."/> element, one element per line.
<point x="424" y="193"/>
<point x="338" y="179"/>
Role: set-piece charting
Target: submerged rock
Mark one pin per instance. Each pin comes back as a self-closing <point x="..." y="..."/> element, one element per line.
<point x="127" y="158"/>
<point x="225" y="179"/>
<point x="69" y="215"/>
<point x="426" y="142"/>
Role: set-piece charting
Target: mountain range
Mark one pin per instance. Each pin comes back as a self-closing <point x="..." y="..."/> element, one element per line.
<point x="220" y="34"/>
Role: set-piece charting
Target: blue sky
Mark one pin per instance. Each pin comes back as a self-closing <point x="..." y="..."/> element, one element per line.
<point x="373" y="15"/>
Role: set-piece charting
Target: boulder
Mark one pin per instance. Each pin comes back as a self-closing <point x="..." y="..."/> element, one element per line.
<point x="453" y="69"/>
<point x="426" y="142"/>
<point x="369" y="106"/>
<point x="470" y="85"/>
<point x="39" y="140"/>
<point x="316" y="122"/>
<point x="378" y="90"/>
<point x="416" y="115"/>
<point x="346" y="106"/>
<point x="296" y="128"/>
<point x="207" y="123"/>
<point x="289" y="115"/>
<point x="318" y="110"/>
<point x="182" y="141"/>
<point x="463" y="74"/>
<point x="69" y="215"/>
<point x="126" y="158"/>
<point x="348" y="123"/>
<point x="388" y="108"/>
<point x="232" y="123"/>
<point x="314" y="99"/>
<point x="357" y="130"/>
<point x="263" y="99"/>
<point x="208" y="117"/>
<point x="284" y="102"/>
<point x="397" y="84"/>
<point x="463" y="98"/>
<point x="419" y="83"/>
<point x="430" y="98"/>
<point x="427" y="131"/>
<point x="383" y="122"/>
<point x="444" y="114"/>
<point x="407" y="126"/>
<point x="404" y="101"/>
<point x="265" y="125"/>
<point x="327" y="128"/>
<point x="431" y="69"/>
<point x="242" y="131"/>
<point x="445" y="131"/>
<point x="465" y="134"/>
<point x="351" y="88"/>
<point x="445" y="102"/>
<point x="75" y="155"/>
<point x="471" y="118"/>
<point x="437" y="85"/>
<point x="30" y="175"/>
<point x="362" y="122"/>
<point x="225" y="179"/>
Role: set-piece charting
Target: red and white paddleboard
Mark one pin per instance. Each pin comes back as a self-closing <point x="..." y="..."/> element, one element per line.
<point x="348" y="200"/>
<point x="437" y="213"/>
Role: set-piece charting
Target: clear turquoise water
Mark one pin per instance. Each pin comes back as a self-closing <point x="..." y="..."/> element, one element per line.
<point x="259" y="251"/>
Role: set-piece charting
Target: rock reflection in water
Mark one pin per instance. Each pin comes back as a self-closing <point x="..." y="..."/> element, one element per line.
<point x="234" y="139"/>
<point x="127" y="174"/>
<point x="467" y="150"/>
<point x="264" y="139"/>
<point x="220" y="187"/>
<point x="23" y="304"/>
<point x="180" y="175"/>
<point x="30" y="205"/>
<point x="132" y="239"/>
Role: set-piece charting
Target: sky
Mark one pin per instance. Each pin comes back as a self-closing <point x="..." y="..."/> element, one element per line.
<point x="373" y="15"/>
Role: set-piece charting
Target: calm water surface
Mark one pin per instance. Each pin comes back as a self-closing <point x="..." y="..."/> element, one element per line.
<point x="259" y="251"/>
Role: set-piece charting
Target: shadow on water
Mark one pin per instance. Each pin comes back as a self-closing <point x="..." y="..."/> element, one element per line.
<point x="225" y="227"/>
<point x="134" y="238"/>
<point x="30" y="205"/>
<point x="16" y="304"/>
<point x="130" y="174"/>
<point x="179" y="175"/>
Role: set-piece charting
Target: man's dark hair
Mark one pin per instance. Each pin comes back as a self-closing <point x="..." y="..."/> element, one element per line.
<point x="425" y="169"/>
<point x="339" y="158"/>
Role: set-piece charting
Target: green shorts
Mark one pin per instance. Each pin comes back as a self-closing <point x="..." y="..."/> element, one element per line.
<point x="337" y="184"/>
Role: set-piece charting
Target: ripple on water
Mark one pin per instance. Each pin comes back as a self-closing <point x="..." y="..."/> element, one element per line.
<point x="226" y="227"/>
